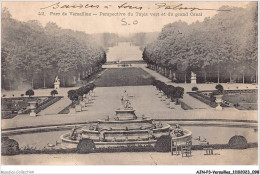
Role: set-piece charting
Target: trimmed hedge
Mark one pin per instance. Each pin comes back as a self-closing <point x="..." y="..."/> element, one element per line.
<point x="75" y="95"/>
<point x="169" y="90"/>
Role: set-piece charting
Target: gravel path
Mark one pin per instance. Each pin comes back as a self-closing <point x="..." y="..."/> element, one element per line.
<point x="143" y="100"/>
<point x="221" y="157"/>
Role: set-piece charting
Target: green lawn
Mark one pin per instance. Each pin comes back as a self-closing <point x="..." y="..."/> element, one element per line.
<point x="245" y="101"/>
<point x="124" y="77"/>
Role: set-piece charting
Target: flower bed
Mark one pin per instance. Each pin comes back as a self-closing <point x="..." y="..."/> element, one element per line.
<point x="205" y="99"/>
<point x="12" y="106"/>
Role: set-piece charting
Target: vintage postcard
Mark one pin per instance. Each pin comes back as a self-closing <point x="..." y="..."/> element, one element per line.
<point x="130" y="83"/>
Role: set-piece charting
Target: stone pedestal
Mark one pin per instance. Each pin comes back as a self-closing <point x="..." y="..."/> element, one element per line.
<point x="125" y="114"/>
<point x="85" y="102"/>
<point x="89" y="98"/>
<point x="160" y="94"/>
<point x="219" y="101"/>
<point x="193" y="78"/>
<point x="172" y="105"/>
<point x="174" y="76"/>
<point x="163" y="98"/>
<point x="79" y="77"/>
<point x="32" y="108"/>
<point x="72" y="111"/>
<point x="178" y="107"/>
<point x="92" y="93"/>
<point x="78" y="108"/>
<point x="74" y="80"/>
<point x="82" y="103"/>
<point x="167" y="101"/>
<point x="56" y="85"/>
<point x="156" y="92"/>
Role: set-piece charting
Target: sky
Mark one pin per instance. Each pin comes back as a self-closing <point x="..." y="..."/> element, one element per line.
<point x="99" y="22"/>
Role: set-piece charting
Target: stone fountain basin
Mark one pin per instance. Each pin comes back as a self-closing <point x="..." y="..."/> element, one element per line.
<point x="121" y="134"/>
<point x="122" y="125"/>
<point x="135" y="138"/>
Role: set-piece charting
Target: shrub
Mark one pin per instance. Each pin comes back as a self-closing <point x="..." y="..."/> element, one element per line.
<point x="29" y="92"/>
<point x="9" y="146"/>
<point x="163" y="144"/>
<point x="72" y="95"/>
<point x="54" y="92"/>
<point x="212" y="97"/>
<point x="195" y="89"/>
<point x="179" y="92"/>
<point x="92" y="86"/>
<point x="219" y="88"/>
<point x="85" y="146"/>
<point x="76" y="95"/>
<point x="238" y="142"/>
<point x="22" y="95"/>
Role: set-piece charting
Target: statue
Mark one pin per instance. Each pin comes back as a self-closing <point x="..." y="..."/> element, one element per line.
<point x="57" y="83"/>
<point x="57" y="80"/>
<point x="124" y="99"/>
<point x="91" y="127"/>
<point x="97" y="128"/>
<point x="73" y="134"/>
<point x="153" y="125"/>
<point x="127" y="104"/>
<point x="193" y="74"/>
<point x="107" y="119"/>
<point x="193" y="78"/>
<point x="178" y="131"/>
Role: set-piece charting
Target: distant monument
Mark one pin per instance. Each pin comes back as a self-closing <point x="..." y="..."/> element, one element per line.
<point x="74" y="80"/>
<point x="193" y="78"/>
<point x="57" y="83"/>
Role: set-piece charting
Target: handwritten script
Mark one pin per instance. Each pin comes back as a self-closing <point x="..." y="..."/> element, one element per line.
<point x="164" y="6"/>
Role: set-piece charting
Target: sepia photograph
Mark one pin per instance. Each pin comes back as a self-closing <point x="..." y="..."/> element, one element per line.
<point x="130" y="83"/>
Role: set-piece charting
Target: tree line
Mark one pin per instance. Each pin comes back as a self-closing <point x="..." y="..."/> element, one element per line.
<point x="219" y="49"/>
<point x="33" y="55"/>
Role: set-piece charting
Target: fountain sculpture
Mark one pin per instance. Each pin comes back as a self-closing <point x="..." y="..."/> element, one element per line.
<point x="124" y="130"/>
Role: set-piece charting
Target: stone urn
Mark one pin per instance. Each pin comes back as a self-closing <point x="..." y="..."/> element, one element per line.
<point x="32" y="108"/>
<point x="219" y="101"/>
